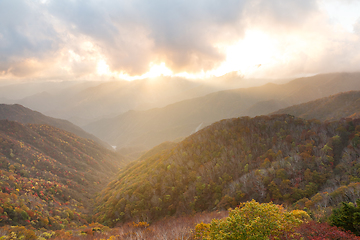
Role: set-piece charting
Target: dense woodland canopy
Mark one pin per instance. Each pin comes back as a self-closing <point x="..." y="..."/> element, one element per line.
<point x="48" y="176"/>
<point x="280" y="158"/>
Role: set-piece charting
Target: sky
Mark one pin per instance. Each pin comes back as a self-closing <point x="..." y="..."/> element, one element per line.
<point x="134" y="39"/>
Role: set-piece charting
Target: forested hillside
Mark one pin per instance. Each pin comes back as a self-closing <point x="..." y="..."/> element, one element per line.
<point x="331" y="108"/>
<point x="280" y="158"/>
<point x="49" y="177"/>
<point x="19" y="113"/>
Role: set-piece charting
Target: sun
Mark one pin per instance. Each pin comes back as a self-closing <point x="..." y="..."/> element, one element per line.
<point x="102" y="68"/>
<point x="247" y="55"/>
<point x="155" y="70"/>
<point x="158" y="70"/>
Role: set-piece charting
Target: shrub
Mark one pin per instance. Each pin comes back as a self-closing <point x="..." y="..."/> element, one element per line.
<point x="252" y="220"/>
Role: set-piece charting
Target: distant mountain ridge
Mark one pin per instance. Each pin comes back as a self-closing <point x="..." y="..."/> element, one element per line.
<point x="19" y="113"/>
<point x="150" y="128"/>
<point x="82" y="105"/>
<point x="335" y="107"/>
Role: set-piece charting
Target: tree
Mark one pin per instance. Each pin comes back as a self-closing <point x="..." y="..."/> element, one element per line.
<point x="252" y="220"/>
<point x="347" y="217"/>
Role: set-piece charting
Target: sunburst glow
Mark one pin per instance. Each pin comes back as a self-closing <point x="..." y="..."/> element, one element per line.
<point x="247" y="55"/>
<point x="158" y="70"/>
<point x="155" y="70"/>
<point x="103" y="68"/>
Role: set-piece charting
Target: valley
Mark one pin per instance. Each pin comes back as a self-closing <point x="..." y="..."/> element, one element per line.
<point x="189" y="161"/>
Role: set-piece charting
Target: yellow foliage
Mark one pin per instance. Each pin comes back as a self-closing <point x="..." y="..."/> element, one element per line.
<point x="140" y="225"/>
<point x="252" y="220"/>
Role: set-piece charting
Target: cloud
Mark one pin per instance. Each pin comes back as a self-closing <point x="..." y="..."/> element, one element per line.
<point x="67" y="38"/>
<point x="280" y="14"/>
<point x="132" y="34"/>
<point x="357" y="27"/>
<point x="25" y="34"/>
<point x="183" y="33"/>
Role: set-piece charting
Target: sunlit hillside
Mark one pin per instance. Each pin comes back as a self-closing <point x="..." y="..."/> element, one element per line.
<point x="280" y="158"/>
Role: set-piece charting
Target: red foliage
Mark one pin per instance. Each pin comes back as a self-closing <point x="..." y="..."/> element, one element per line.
<point x="319" y="231"/>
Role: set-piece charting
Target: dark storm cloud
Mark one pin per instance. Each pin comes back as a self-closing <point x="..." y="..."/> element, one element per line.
<point x="131" y="34"/>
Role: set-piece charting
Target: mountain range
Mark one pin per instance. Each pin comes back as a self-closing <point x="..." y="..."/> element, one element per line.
<point x="151" y="127"/>
<point x="86" y="102"/>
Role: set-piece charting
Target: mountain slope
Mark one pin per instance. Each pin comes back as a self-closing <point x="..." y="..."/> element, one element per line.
<point x="279" y="158"/>
<point x="151" y="127"/>
<point x="24" y="115"/>
<point x="335" y="107"/>
<point x="49" y="176"/>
